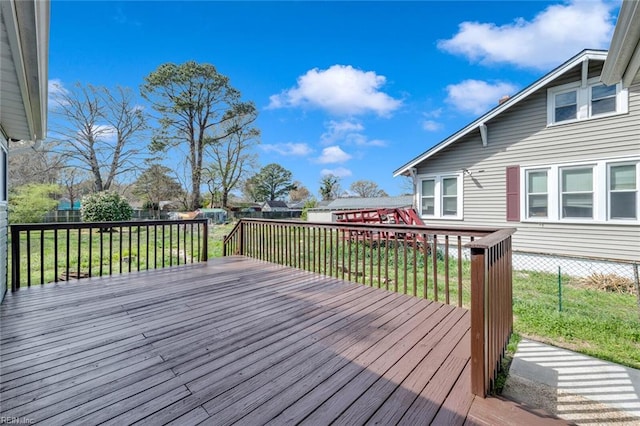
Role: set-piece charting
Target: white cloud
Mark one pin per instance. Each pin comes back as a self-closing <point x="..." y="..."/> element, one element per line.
<point x="333" y="154"/>
<point x="339" y="172"/>
<point x="476" y="96"/>
<point x="105" y="132"/>
<point x="551" y="37"/>
<point x="288" y="149"/>
<point x="431" y="125"/>
<point x="348" y="131"/>
<point x="57" y="92"/>
<point x="338" y="130"/>
<point x="341" y="90"/>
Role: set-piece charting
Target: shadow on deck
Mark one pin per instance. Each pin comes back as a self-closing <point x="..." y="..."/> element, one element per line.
<point x="234" y="340"/>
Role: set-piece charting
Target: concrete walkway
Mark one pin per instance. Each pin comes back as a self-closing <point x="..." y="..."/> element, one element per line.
<point x="575" y="387"/>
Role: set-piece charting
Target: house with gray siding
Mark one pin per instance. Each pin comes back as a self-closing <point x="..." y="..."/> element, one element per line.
<point x="559" y="161"/>
<point x="24" y="50"/>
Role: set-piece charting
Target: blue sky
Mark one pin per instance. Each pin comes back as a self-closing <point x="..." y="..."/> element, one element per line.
<point x="351" y="88"/>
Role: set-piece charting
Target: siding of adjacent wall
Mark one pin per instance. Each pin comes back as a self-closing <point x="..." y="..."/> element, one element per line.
<point x="520" y="136"/>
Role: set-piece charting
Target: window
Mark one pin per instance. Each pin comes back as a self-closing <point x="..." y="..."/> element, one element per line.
<point x="600" y="191"/>
<point x="566" y="106"/>
<point x="428" y="197"/>
<point x="603" y="99"/>
<point x="537" y="194"/>
<point x="450" y="196"/>
<point x="573" y="102"/>
<point x="441" y="196"/>
<point x="623" y="192"/>
<point x="577" y="193"/>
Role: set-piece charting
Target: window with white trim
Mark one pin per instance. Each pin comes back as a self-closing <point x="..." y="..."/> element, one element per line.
<point x="441" y="196"/>
<point x="599" y="191"/>
<point x="576" y="192"/>
<point x="573" y="102"/>
<point x="428" y="197"/>
<point x="623" y="191"/>
<point x="537" y="193"/>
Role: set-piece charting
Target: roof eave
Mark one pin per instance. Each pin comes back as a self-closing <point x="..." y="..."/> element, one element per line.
<point x="29" y="40"/>
<point x="523" y="94"/>
<point x="623" y="62"/>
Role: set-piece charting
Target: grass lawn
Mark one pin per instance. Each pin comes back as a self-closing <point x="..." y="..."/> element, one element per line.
<point x="601" y="324"/>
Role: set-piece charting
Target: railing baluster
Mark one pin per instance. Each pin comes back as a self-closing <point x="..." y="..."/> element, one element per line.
<point x="425" y="261"/>
<point x="79" y="251"/>
<point x="446" y="268"/>
<point x="41" y="256"/>
<point x="434" y="256"/>
<point x="414" y="239"/>
<point x="459" y="271"/>
<point x="386" y="260"/>
<point x="111" y="251"/>
<point x="90" y="250"/>
<point x="55" y="255"/>
<point x="28" y="258"/>
<point x="395" y="263"/>
<point x="68" y="255"/>
<point x="101" y="231"/>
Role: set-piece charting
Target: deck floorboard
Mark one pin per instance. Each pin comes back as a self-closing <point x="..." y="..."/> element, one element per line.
<point x="235" y="340"/>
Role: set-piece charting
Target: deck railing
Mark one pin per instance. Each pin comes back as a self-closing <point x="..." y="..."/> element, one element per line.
<point x="467" y="267"/>
<point x="52" y="252"/>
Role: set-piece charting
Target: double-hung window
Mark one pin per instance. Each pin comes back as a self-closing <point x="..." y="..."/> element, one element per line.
<point x="537" y="193"/>
<point x="574" y="101"/>
<point x="428" y="197"/>
<point x="599" y="191"/>
<point x="441" y="196"/>
<point x="577" y="192"/>
<point x="623" y="191"/>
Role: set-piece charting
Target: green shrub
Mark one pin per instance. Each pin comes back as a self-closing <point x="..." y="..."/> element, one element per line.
<point x="30" y="203"/>
<point x="105" y="206"/>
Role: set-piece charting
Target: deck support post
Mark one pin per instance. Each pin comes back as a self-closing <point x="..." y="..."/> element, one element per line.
<point x="479" y="355"/>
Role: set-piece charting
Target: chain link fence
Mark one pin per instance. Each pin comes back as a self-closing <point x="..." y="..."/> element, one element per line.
<point x="567" y="272"/>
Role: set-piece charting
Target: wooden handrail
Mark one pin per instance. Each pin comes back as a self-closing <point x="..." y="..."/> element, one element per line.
<point x="191" y="238"/>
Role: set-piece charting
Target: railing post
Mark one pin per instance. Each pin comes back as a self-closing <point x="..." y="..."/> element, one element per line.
<point x="241" y="238"/>
<point x="15" y="258"/>
<point x="205" y="241"/>
<point x="479" y="361"/>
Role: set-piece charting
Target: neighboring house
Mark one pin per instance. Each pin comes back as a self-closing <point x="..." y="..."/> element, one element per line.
<point x="275" y="206"/>
<point x="24" y="51"/>
<point x="327" y="212"/>
<point x="297" y="205"/>
<point x="560" y="161"/>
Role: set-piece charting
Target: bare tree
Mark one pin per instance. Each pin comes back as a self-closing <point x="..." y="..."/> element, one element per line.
<point x="231" y="155"/>
<point x="300" y="193"/>
<point x="99" y="131"/>
<point x="75" y="183"/>
<point x="367" y="189"/>
<point x="38" y="166"/>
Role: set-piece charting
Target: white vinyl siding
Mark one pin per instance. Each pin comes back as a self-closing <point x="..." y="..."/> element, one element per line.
<point x="521" y="136"/>
<point x="441" y="196"/>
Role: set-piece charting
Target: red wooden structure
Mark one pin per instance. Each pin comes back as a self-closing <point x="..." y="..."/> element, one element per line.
<point x="399" y="216"/>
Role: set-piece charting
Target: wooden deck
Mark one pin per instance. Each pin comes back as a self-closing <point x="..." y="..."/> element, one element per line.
<point x="235" y="340"/>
